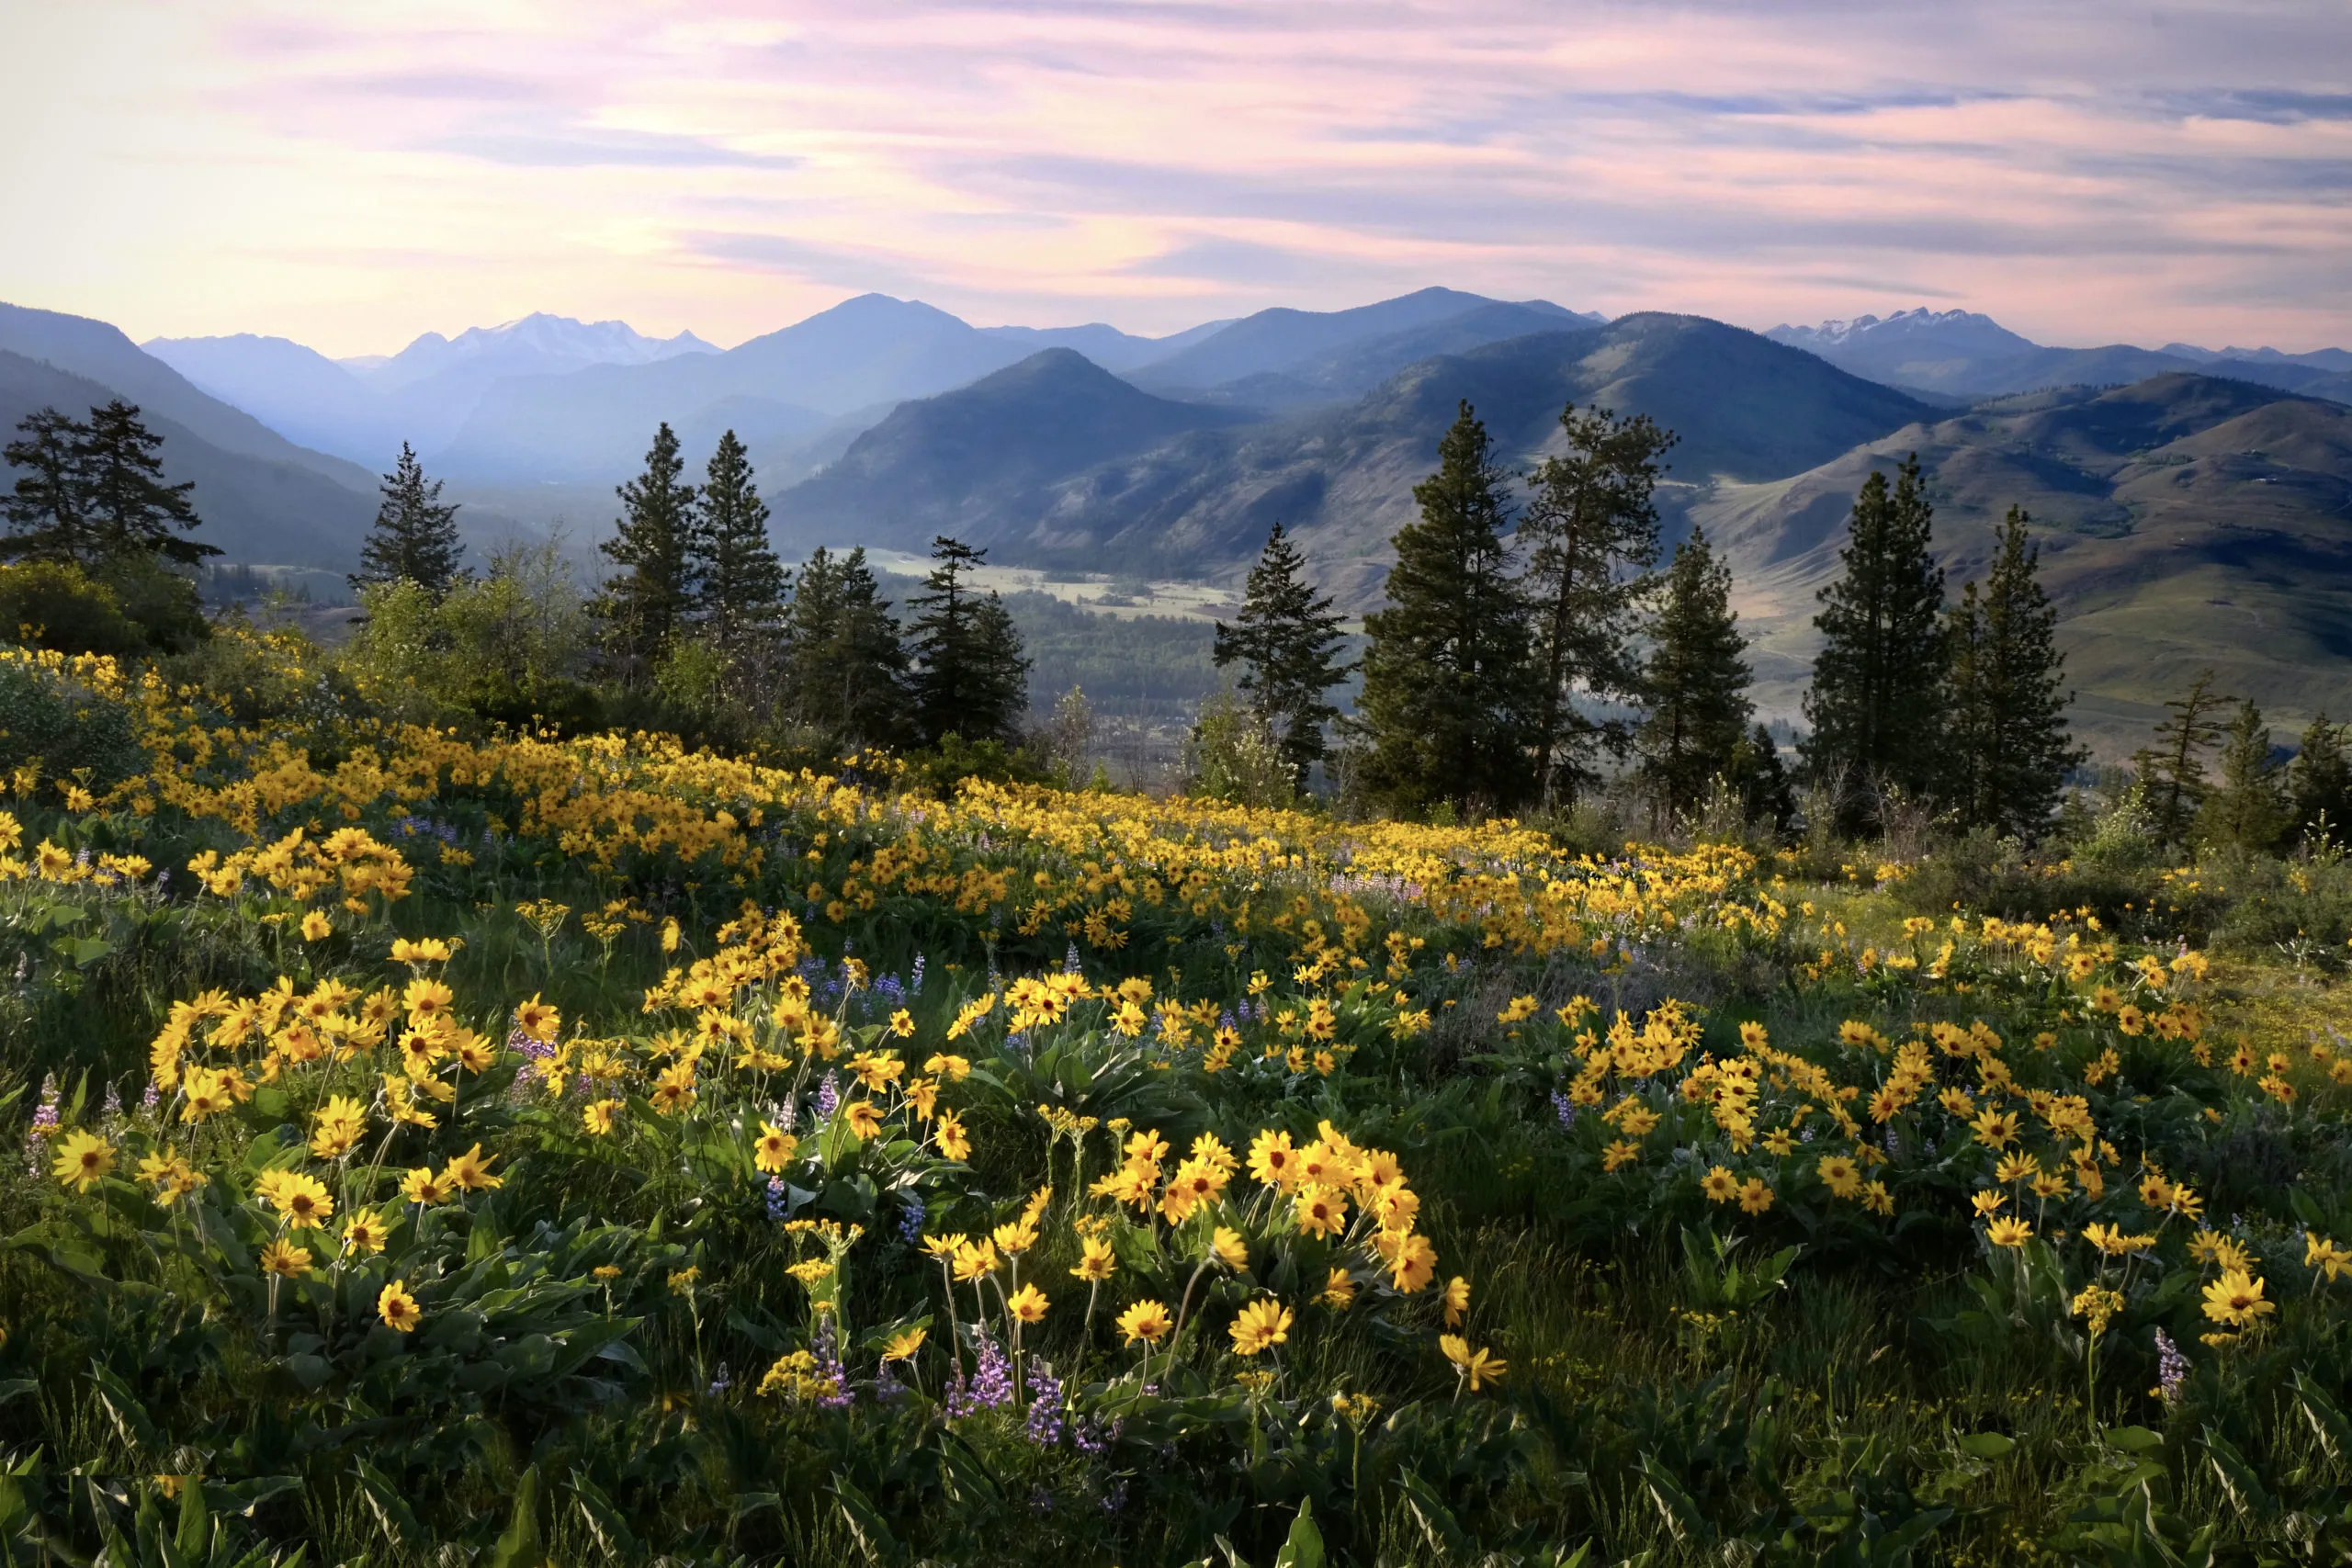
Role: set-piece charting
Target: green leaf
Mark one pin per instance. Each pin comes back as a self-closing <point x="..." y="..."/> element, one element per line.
<point x="196" y="1524"/>
<point x="520" y="1547"/>
<point x="1305" y="1547"/>
<point x="865" y="1525"/>
<point x="1988" y="1445"/>
<point x="2134" y="1439"/>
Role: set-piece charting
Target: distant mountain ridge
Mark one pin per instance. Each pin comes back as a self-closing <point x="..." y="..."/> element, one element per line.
<point x="1966" y="354"/>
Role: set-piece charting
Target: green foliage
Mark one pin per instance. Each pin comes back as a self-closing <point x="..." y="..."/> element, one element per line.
<point x="969" y="676"/>
<point x="91" y="492"/>
<point x="1451" y="694"/>
<point x="1286" y="640"/>
<point x="2171" y="772"/>
<point x="1590" y="534"/>
<point x="1696" y="686"/>
<point x="58" y="605"/>
<point x="2010" y="751"/>
<point x="414" y="538"/>
<point x="740" y="587"/>
<point x="2250" y="810"/>
<point x="1877" y="704"/>
<point x="1233" y="755"/>
<point x="513" y="644"/>
<point x="845" y="668"/>
<point x="54" y="726"/>
<point x="2319" y="781"/>
<point x="646" y="603"/>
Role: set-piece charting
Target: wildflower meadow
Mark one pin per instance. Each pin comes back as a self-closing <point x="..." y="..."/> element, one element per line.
<point x="523" y="1148"/>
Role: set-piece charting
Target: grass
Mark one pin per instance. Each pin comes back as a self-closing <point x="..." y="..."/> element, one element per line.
<point x="635" y="1346"/>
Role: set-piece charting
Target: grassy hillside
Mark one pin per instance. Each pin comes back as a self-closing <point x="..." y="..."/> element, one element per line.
<point x="2186" y="522"/>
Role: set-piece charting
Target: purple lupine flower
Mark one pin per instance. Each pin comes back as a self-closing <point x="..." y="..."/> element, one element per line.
<point x="1563" y="1108"/>
<point x="1069" y="960"/>
<point x="45" y="1116"/>
<point x="828" y="1098"/>
<point x="830" y="1370"/>
<point x="1117" y="1498"/>
<point x="722" y="1382"/>
<point x="989" y="1384"/>
<point x="777" y="1198"/>
<point x="152" y="1098"/>
<point x="915" y="982"/>
<point x="911" y="1220"/>
<point x="1045" y="1405"/>
<point x="2172" y="1369"/>
<point x="888" y="1389"/>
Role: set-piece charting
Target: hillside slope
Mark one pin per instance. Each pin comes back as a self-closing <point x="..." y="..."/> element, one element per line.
<point x="256" y="510"/>
<point x="1199" y="502"/>
<point x="2186" y="522"/>
<point x="98" y="352"/>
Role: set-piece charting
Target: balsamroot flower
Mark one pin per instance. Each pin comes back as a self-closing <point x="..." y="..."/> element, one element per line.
<point x="1145" y="1321"/>
<point x="83" y="1160"/>
<point x="1476" y="1368"/>
<point x="2235" y="1300"/>
<point x="399" y="1309"/>
<point x="1260" y="1326"/>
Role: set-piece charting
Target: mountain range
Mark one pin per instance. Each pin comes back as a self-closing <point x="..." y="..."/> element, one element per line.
<point x="2195" y="505"/>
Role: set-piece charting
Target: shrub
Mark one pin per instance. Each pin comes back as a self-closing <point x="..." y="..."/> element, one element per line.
<point x="58" y="606"/>
<point x="54" y="722"/>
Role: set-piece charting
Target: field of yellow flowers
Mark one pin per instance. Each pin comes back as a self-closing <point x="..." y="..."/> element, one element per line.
<point x="520" y="1149"/>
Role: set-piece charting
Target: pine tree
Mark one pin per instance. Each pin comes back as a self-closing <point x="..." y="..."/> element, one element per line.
<point x="2171" y="772"/>
<point x="1451" y="691"/>
<point x="129" y="510"/>
<point x="2320" y="779"/>
<point x="2250" y="809"/>
<point x="1764" y="794"/>
<point x="740" y="586"/>
<point x="415" y="536"/>
<point x="1593" y="516"/>
<point x="645" y="606"/>
<point x="2009" y="750"/>
<point x="1696" y="685"/>
<point x="1877" y="704"/>
<point x="45" y="511"/>
<point x="845" y="668"/>
<point x="1286" y="640"/>
<point x="970" y="678"/>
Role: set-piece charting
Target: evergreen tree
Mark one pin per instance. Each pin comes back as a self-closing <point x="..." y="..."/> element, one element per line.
<point x="2009" y="750"/>
<point x="739" y="584"/>
<point x="1877" y="704"/>
<point x="2250" y="809"/>
<point x="1286" y="640"/>
<point x="415" y="536"/>
<point x="93" y="493"/>
<point x="45" y="511"/>
<point x="971" y="679"/>
<point x="2319" y="780"/>
<point x="845" y="668"/>
<point x="645" y="606"/>
<point x="1765" y="793"/>
<point x="1696" y="685"/>
<point x="1450" y="691"/>
<point x="1592" y="517"/>
<point x="2171" y="772"/>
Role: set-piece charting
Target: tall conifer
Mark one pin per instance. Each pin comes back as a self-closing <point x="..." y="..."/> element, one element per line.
<point x="645" y="606"/>
<point x="845" y="666"/>
<point x="1286" y="639"/>
<point x="415" y="536"/>
<point x="2319" y="780"/>
<point x="2171" y="772"/>
<point x="1878" y="700"/>
<point x="740" y="586"/>
<point x="1450" y="691"/>
<point x="971" y="679"/>
<point x="1590" y="535"/>
<point x="1696" y="685"/>
<point x="2250" y="808"/>
<point x="2009" y="750"/>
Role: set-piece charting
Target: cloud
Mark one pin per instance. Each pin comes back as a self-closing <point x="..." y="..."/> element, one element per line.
<point x="583" y="147"/>
<point x="2084" y="174"/>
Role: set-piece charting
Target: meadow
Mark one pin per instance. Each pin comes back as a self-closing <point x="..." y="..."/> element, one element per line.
<point x="508" y="1148"/>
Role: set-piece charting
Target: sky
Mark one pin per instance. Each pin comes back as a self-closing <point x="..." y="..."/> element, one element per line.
<point x="350" y="176"/>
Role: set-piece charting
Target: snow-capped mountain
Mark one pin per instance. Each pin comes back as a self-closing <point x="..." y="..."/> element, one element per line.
<point x="538" y="344"/>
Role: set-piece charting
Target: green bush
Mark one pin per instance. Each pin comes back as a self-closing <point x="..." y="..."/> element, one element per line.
<point x="54" y="723"/>
<point x="58" y="606"/>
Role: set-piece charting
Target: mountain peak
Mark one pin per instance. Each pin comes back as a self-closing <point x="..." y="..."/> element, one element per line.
<point x="1969" y="330"/>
